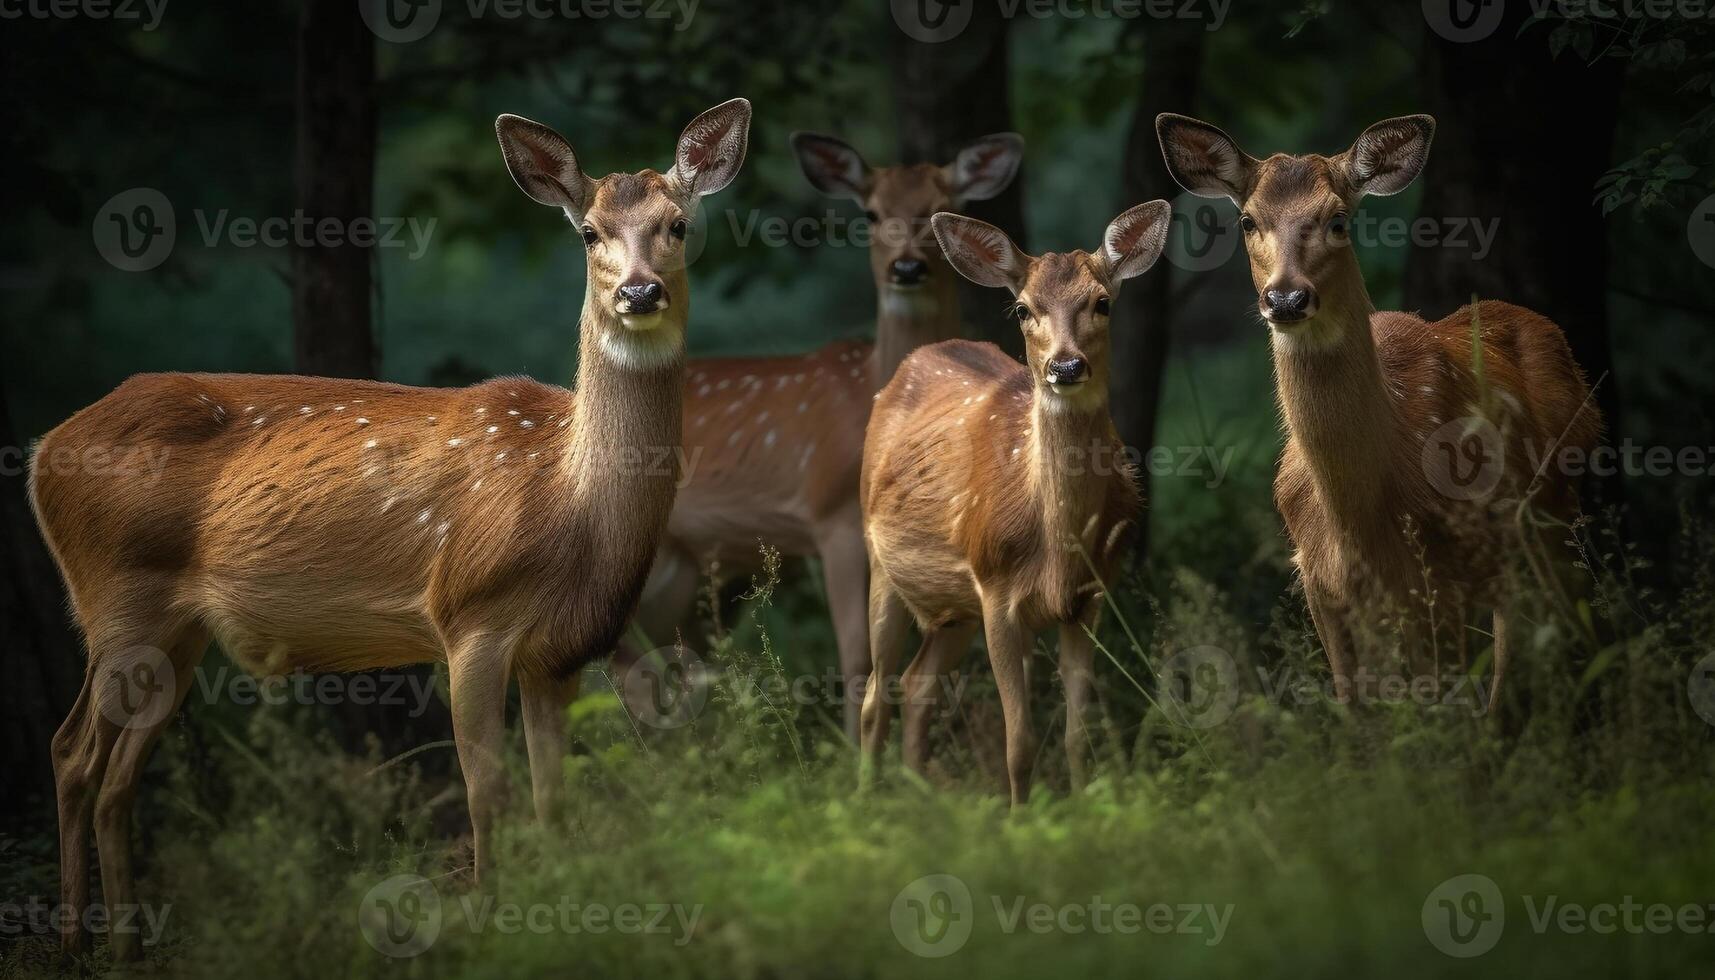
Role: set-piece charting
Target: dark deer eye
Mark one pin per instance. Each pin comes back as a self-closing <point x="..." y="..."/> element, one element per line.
<point x="1021" y="313"/>
<point x="590" y="237"/>
<point x="679" y="229"/>
<point x="1339" y="225"/>
<point x="1103" y="306"/>
<point x="1247" y="222"/>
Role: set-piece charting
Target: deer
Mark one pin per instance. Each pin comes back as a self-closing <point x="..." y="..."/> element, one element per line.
<point x="1411" y="447"/>
<point x="344" y="525"/>
<point x="998" y="494"/>
<point x="777" y="441"/>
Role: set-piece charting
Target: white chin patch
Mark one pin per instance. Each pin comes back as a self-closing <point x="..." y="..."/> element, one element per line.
<point x="1078" y="397"/>
<point x="915" y="301"/>
<point x="1305" y="336"/>
<point x="643" y="348"/>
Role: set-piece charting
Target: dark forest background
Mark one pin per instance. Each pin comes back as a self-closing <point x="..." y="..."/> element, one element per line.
<point x="1585" y="136"/>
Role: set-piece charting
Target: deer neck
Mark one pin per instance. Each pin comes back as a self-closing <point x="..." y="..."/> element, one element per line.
<point x="905" y="321"/>
<point x="1072" y="447"/>
<point x="1335" y="402"/>
<point x="628" y="418"/>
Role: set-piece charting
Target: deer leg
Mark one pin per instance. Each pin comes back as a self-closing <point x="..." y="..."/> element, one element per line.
<point x="544" y="703"/>
<point x="1077" y="653"/>
<point x="845" y="569"/>
<point x="118" y="795"/>
<point x="80" y="754"/>
<point x="888" y="622"/>
<point x="1336" y="641"/>
<point x="921" y="686"/>
<point x="1008" y="645"/>
<point x="477" y="670"/>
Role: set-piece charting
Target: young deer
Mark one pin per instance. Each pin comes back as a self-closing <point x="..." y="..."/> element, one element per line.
<point x="330" y="525"/>
<point x="777" y="441"/>
<point x="1401" y="437"/>
<point x="996" y="492"/>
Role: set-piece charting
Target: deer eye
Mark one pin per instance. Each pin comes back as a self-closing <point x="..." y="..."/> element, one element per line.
<point x="1339" y="224"/>
<point x="679" y="229"/>
<point x="872" y="216"/>
<point x="1247" y="222"/>
<point x="1021" y="313"/>
<point x="590" y="237"/>
<point x="1103" y="306"/>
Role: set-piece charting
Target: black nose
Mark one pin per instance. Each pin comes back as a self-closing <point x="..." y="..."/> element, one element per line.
<point x="910" y="272"/>
<point x="643" y="298"/>
<point x="1287" y="304"/>
<point x="1068" y="371"/>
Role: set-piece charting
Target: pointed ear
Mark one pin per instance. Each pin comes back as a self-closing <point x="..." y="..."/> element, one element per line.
<point x="984" y="168"/>
<point x="542" y="164"/>
<point x="832" y="165"/>
<point x="1135" y="240"/>
<point x="1389" y="155"/>
<point x="1204" y="160"/>
<point x="981" y="252"/>
<point x="712" y="149"/>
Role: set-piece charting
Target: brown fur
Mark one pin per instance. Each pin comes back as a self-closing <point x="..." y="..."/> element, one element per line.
<point x="1389" y="557"/>
<point x="331" y="525"/>
<point x="994" y="496"/>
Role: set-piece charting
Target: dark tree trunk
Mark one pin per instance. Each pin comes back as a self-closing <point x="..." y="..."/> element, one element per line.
<point x="1173" y="56"/>
<point x="946" y="94"/>
<point x="331" y="285"/>
<point x="1522" y="139"/>
<point x="43" y="662"/>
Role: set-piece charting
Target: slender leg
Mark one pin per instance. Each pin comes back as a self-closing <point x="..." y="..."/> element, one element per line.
<point x="477" y="670"/>
<point x="889" y="621"/>
<point x="1331" y="630"/>
<point x="80" y="757"/>
<point x="922" y="683"/>
<point x="544" y="702"/>
<point x="118" y="794"/>
<point x="845" y="569"/>
<point x="1077" y="653"/>
<point x="1008" y="645"/>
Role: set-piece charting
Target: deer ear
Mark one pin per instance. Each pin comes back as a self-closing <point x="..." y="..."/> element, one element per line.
<point x="1204" y="160"/>
<point x="1135" y="240"/>
<point x="713" y="147"/>
<point x="984" y="168"/>
<point x="981" y="252"/>
<point x="1389" y="155"/>
<point x="542" y="164"/>
<point x="832" y="165"/>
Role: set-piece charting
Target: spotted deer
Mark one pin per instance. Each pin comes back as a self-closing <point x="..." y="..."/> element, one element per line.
<point x="997" y="493"/>
<point x="777" y="441"/>
<point x="1409" y="444"/>
<point x="332" y="525"/>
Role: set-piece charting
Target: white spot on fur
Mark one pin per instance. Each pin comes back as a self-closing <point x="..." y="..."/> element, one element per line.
<point x="768" y="440"/>
<point x="527" y="424"/>
<point x="491" y="430"/>
<point x="455" y="442"/>
<point x="370" y="444"/>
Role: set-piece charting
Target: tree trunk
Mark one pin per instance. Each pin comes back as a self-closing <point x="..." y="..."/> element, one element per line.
<point x="946" y="94"/>
<point x="331" y="283"/>
<point x="1521" y="140"/>
<point x="44" y="665"/>
<point x="1143" y="316"/>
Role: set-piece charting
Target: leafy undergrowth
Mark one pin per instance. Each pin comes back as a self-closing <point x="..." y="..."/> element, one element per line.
<point x="1248" y="828"/>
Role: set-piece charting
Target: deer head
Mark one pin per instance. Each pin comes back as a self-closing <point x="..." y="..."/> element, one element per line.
<point x="633" y="225"/>
<point x="1295" y="211"/>
<point x="899" y="201"/>
<point x="1064" y="299"/>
